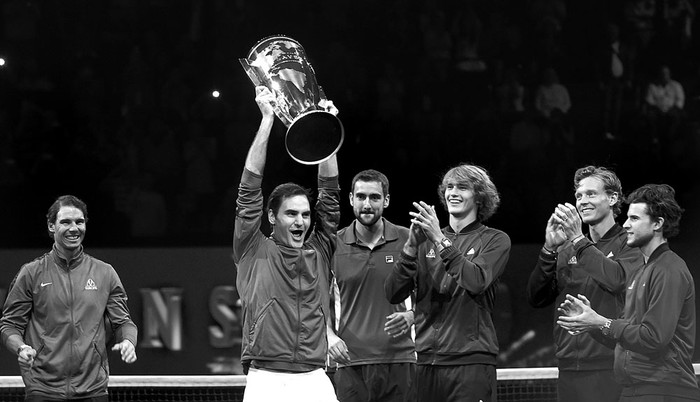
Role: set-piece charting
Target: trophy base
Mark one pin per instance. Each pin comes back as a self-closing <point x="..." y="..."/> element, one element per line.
<point x="314" y="137"/>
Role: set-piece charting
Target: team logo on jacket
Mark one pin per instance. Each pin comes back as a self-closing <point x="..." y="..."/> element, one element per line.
<point x="610" y="255"/>
<point x="431" y="254"/>
<point x="389" y="259"/>
<point x="471" y="252"/>
<point x="90" y="285"/>
<point x="573" y="260"/>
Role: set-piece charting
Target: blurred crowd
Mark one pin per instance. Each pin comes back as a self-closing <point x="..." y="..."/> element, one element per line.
<point x="113" y="101"/>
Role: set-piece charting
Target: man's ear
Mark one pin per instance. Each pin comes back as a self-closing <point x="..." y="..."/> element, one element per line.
<point x="386" y="200"/>
<point x="52" y="227"/>
<point x="352" y="200"/>
<point x="271" y="217"/>
<point x="613" y="198"/>
<point x="659" y="224"/>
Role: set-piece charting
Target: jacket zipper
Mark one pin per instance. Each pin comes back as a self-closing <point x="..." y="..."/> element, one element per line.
<point x="298" y="331"/>
<point x="69" y="375"/>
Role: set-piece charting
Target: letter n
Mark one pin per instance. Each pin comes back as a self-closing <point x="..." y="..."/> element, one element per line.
<point x="162" y="318"/>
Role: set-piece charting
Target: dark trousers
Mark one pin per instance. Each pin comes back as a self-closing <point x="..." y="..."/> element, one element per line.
<point x="375" y="382"/>
<point x="465" y="383"/>
<point x="588" y="386"/>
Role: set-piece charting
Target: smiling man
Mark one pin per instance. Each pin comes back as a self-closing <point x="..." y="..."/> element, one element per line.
<point x="373" y="344"/>
<point x="55" y="314"/>
<point x="655" y="335"/>
<point x="454" y="271"/>
<point x="585" y="366"/>
<point x="284" y="280"/>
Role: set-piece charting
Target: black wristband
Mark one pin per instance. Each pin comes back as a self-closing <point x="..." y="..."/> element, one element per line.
<point x="548" y="251"/>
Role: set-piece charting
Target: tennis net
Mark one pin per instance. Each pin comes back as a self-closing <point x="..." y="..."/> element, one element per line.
<point x="520" y="384"/>
<point x="533" y="384"/>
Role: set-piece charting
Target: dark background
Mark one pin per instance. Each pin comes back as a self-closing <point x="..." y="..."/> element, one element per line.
<point x="111" y="101"/>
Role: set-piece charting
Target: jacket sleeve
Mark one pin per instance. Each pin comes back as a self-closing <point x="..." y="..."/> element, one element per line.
<point x="477" y="275"/>
<point x="542" y="287"/>
<point x="18" y="306"/>
<point x="399" y="284"/>
<point x="118" y="312"/>
<point x="610" y="274"/>
<point x="327" y="216"/>
<point x="667" y="290"/>
<point x="249" y="211"/>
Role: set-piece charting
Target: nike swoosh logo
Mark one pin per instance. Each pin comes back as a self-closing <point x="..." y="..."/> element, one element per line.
<point x="45" y="284"/>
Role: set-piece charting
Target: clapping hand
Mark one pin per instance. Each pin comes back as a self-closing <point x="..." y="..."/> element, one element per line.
<point x="578" y="316"/>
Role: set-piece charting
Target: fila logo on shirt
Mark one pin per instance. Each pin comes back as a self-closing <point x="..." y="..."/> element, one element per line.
<point x="90" y="285"/>
<point x="389" y="259"/>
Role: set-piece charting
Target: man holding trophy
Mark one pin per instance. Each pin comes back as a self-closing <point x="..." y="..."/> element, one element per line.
<point x="284" y="280"/>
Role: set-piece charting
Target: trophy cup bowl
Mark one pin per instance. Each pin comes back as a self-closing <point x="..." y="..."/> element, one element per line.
<point x="314" y="134"/>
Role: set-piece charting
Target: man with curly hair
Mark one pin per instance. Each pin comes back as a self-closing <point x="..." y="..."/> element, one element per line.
<point x="454" y="271"/>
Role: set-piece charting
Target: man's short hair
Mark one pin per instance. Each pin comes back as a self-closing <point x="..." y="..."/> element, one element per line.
<point x="284" y="191"/>
<point x="370" y="175"/>
<point x="661" y="203"/>
<point x="478" y="180"/>
<point x="65" y="201"/>
<point x="611" y="183"/>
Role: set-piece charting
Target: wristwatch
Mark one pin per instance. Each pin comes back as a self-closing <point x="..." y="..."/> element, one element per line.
<point x="445" y="242"/>
<point x="605" y="329"/>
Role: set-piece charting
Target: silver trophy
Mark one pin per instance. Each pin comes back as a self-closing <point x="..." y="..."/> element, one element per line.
<point x="314" y="134"/>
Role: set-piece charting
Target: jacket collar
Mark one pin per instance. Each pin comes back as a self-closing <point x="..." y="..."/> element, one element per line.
<point x="61" y="259"/>
<point x="391" y="232"/>
<point x="472" y="227"/>
<point x="613" y="232"/>
<point x="658" y="251"/>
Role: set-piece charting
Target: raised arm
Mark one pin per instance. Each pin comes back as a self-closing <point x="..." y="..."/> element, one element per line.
<point x="249" y="204"/>
<point x="257" y="154"/>
<point x="329" y="167"/>
<point x="542" y="287"/>
<point x="401" y="283"/>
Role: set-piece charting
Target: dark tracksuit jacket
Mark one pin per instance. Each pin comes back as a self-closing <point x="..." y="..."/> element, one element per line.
<point x="555" y="276"/>
<point x="455" y="295"/>
<point x="656" y="334"/>
<point x="284" y="290"/>
<point x="61" y="309"/>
